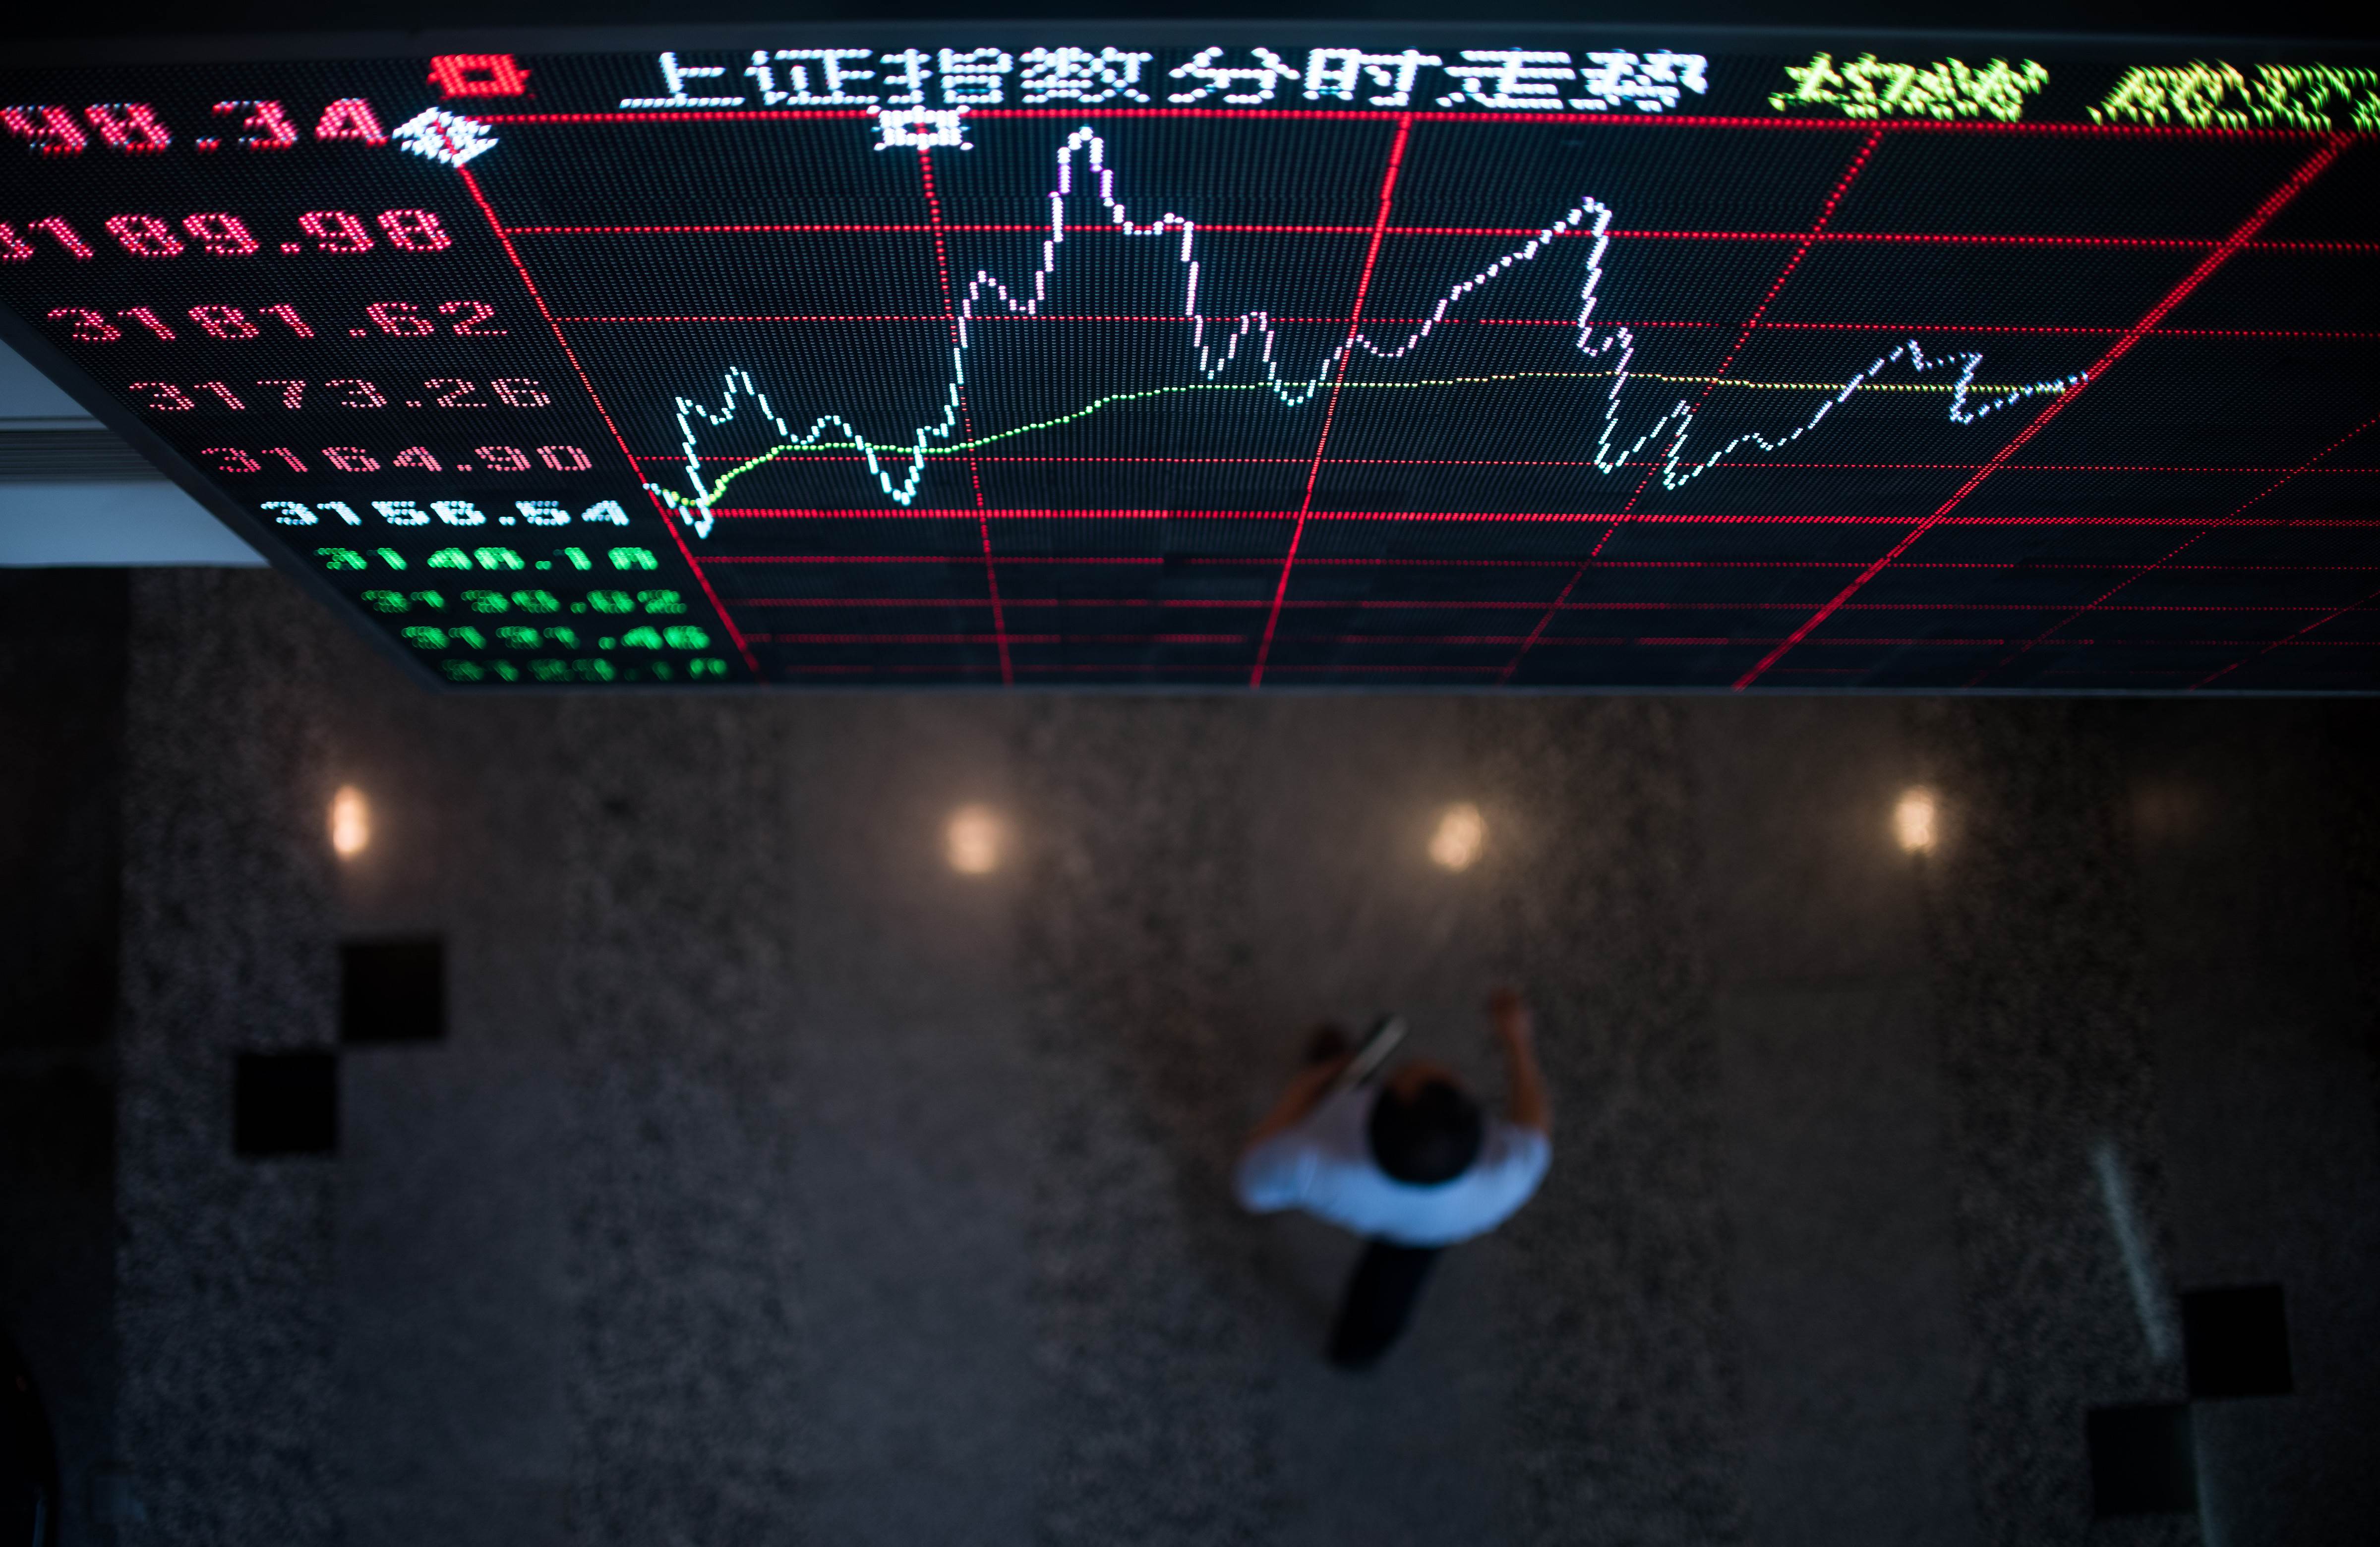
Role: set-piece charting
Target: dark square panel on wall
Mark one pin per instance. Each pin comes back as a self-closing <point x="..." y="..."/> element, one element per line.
<point x="286" y="1104"/>
<point x="2238" y="1341"/>
<point x="393" y="990"/>
<point x="2142" y="1459"/>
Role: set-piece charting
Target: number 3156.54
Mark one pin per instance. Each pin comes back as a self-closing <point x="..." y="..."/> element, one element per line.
<point x="453" y="513"/>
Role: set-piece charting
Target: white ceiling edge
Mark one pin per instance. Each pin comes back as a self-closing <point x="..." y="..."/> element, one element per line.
<point x="49" y="524"/>
<point x="26" y="394"/>
<point x="117" y="524"/>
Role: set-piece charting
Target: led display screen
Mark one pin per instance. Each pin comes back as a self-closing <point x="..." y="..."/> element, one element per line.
<point x="1108" y="357"/>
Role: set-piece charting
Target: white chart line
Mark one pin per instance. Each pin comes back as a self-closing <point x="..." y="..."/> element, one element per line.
<point x="1252" y="333"/>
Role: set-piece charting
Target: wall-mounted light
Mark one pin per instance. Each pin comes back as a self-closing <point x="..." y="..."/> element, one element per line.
<point x="1913" y="820"/>
<point x="1461" y="833"/>
<point x="974" y="840"/>
<point x="350" y="822"/>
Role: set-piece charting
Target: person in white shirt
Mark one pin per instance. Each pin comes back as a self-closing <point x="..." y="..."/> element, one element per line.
<point x="1409" y="1161"/>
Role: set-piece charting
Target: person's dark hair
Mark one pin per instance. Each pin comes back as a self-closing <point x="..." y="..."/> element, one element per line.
<point x="1428" y="1137"/>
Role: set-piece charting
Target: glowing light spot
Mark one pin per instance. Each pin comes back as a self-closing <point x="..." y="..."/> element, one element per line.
<point x="1913" y="821"/>
<point x="350" y="822"/>
<point x="1462" y="832"/>
<point x="974" y="840"/>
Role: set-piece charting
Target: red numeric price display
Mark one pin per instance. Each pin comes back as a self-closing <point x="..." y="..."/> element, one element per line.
<point x="223" y="235"/>
<point x="291" y="283"/>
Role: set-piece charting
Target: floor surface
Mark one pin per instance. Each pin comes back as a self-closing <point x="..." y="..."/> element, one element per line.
<point x="776" y="1182"/>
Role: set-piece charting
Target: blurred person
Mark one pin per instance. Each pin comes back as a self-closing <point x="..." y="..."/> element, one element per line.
<point x="1408" y="1161"/>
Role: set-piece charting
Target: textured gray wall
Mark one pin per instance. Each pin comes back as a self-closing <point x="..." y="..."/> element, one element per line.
<point x="775" y="1184"/>
<point x="225" y="1316"/>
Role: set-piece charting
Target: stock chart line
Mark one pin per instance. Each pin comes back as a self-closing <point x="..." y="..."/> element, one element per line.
<point x="1743" y="336"/>
<point x="1252" y="334"/>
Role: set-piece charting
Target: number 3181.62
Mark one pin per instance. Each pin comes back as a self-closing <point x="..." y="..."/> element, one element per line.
<point x="393" y="318"/>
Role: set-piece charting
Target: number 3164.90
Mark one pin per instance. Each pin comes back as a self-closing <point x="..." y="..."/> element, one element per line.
<point x="356" y="459"/>
<point x="453" y="513"/>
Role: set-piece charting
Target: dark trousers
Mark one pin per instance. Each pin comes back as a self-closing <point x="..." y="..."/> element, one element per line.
<point x="1379" y="1300"/>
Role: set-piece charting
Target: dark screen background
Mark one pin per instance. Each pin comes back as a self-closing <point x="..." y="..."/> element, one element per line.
<point x="2110" y="381"/>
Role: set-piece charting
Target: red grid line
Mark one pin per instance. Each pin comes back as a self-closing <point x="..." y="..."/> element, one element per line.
<point x="1669" y="518"/>
<point x="966" y="424"/>
<point x="1380" y="604"/>
<point x="2345" y="335"/>
<point x="1337" y="381"/>
<point x="2017" y="567"/>
<point x="1333" y="668"/>
<point x="678" y="459"/>
<point x="1838" y="641"/>
<point x="997" y="228"/>
<point x="1134" y="460"/>
<point x="2257" y="498"/>
<point x="1006" y="674"/>
<point x="2298" y="638"/>
<point x="1897" y="642"/>
<point x="1017" y="603"/>
<point x="1633" y="120"/>
<point x="2047" y="331"/>
<point x="1037" y="317"/>
<point x="1097" y="668"/>
<point x="487" y="209"/>
<point x="916" y="559"/>
<point x="1752" y="324"/>
<point x="2273" y="205"/>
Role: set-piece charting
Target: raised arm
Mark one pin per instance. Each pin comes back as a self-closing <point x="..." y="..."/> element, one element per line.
<point x="1303" y="1094"/>
<point x="1508" y="1013"/>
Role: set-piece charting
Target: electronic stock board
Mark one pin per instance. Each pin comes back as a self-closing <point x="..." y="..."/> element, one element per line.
<point x="1446" y="359"/>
